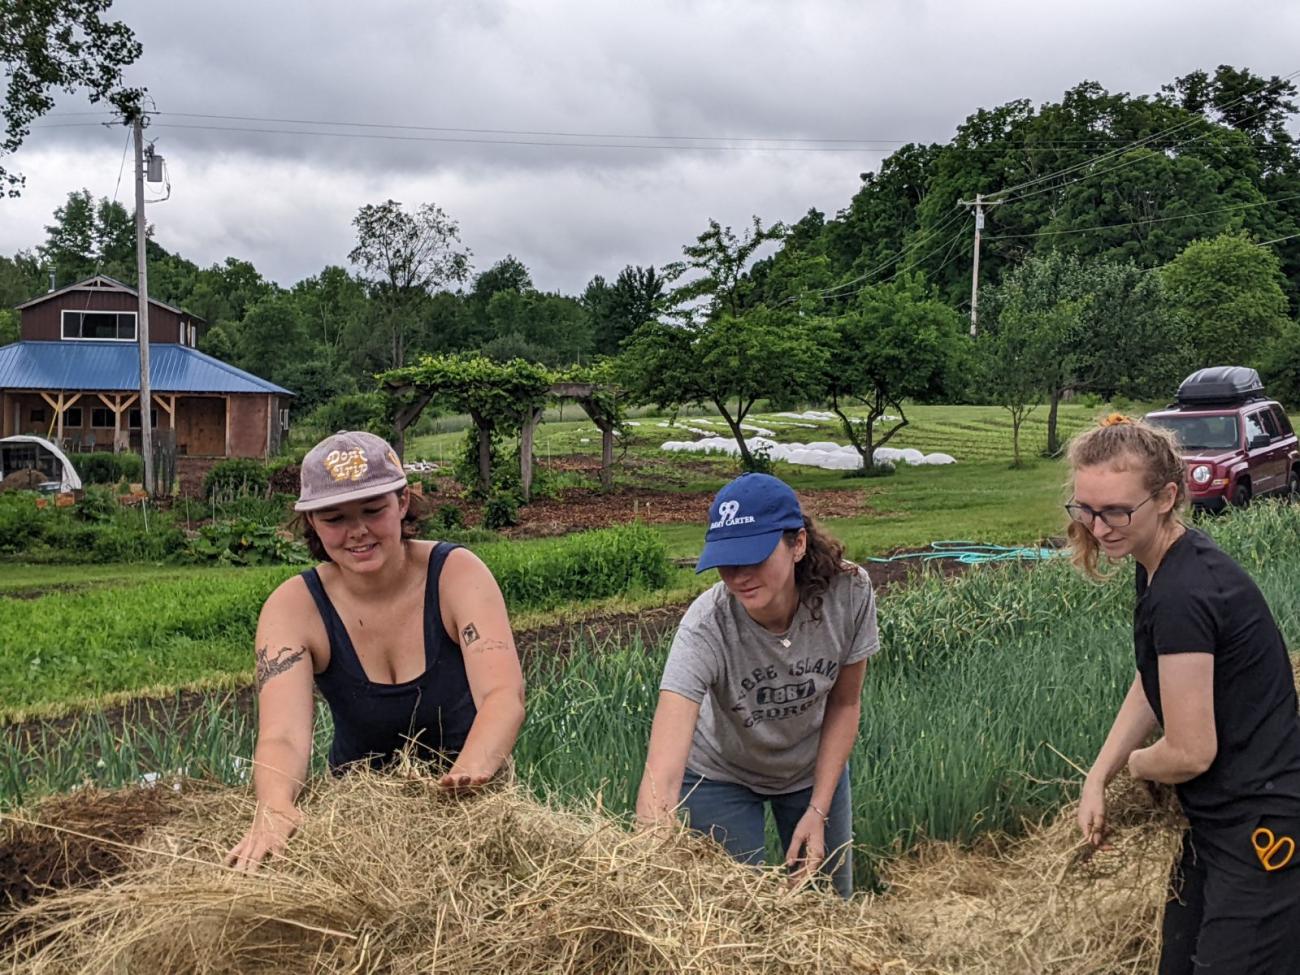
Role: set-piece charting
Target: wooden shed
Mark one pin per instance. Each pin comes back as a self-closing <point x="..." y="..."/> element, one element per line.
<point x="74" y="377"/>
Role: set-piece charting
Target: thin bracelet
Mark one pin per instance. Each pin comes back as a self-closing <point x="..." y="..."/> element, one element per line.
<point x="813" y="807"/>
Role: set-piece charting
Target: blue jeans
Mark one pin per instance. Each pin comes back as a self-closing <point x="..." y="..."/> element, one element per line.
<point x="733" y="815"/>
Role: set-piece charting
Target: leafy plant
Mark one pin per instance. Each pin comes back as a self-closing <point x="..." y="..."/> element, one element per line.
<point x="105" y="468"/>
<point x="448" y="518"/>
<point x="501" y="511"/>
<point x="246" y="542"/>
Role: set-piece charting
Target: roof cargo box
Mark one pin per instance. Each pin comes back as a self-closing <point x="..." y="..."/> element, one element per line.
<point x="1220" y="384"/>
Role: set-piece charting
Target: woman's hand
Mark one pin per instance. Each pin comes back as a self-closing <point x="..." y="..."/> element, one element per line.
<point x="268" y="836"/>
<point x="461" y="780"/>
<point x="1092" y="814"/>
<point x="807" y="846"/>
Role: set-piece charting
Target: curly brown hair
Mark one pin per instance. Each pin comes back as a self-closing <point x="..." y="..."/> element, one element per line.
<point x="823" y="559"/>
<point x="1127" y="444"/>
<point x="417" y="512"/>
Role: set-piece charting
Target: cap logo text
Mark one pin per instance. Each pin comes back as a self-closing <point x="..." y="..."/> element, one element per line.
<point x="347" y="465"/>
<point x="728" y="515"/>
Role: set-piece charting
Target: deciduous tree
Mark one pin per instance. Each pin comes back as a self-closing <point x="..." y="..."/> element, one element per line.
<point x="60" y="45"/>
<point x="895" y="342"/>
<point x="1228" y="291"/>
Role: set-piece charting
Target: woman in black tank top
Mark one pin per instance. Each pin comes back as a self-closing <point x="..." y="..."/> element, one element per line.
<point x="408" y="642"/>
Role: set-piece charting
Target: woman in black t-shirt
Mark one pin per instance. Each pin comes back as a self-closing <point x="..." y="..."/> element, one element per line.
<point x="1213" y="674"/>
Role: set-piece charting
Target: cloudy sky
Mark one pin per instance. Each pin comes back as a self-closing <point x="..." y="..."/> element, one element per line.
<point x="580" y="136"/>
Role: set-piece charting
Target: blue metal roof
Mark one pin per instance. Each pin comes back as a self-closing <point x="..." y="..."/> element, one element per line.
<point x="112" y="366"/>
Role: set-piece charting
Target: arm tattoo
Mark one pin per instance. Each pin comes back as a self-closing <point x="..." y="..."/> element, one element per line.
<point x="468" y="635"/>
<point x="268" y="667"/>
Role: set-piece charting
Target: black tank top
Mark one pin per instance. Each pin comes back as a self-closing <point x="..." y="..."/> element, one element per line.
<point x="372" y="722"/>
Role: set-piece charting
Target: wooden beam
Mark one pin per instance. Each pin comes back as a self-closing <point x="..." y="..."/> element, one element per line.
<point x="526" y="454"/>
<point x="116" y="404"/>
<point x="572" y="390"/>
<point x="227" y="399"/>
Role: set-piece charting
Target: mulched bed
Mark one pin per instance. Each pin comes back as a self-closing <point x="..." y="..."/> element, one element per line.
<point x="35" y="860"/>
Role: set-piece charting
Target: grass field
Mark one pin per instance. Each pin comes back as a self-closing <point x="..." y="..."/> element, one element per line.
<point x="969" y="433"/>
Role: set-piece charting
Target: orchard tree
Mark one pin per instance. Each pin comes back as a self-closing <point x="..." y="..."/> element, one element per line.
<point x="1228" y="292"/>
<point x="730" y="364"/>
<point x="896" y="341"/>
<point x="60" y="45"/>
<point x="1109" y="331"/>
<point x="403" y="257"/>
<point x="1017" y="356"/>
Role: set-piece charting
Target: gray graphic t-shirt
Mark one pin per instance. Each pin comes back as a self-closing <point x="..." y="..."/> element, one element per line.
<point x="762" y="703"/>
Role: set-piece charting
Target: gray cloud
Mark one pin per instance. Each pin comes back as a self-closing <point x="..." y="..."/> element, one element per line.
<point x="844" y="70"/>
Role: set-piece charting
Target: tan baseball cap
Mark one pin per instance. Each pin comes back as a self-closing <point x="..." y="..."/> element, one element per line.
<point x="348" y="466"/>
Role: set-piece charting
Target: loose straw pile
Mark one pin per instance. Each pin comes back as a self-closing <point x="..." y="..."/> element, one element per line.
<point x="389" y="876"/>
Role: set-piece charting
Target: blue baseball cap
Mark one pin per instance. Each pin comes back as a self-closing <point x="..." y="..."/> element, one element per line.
<point x="747" y="519"/>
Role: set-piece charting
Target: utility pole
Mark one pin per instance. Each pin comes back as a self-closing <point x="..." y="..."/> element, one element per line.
<point x="979" y="203"/>
<point x="142" y="322"/>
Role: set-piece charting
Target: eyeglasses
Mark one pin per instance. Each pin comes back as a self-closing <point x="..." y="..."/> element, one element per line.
<point x="1112" y="517"/>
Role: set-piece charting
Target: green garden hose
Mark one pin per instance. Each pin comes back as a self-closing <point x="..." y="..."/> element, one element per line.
<point x="973" y="553"/>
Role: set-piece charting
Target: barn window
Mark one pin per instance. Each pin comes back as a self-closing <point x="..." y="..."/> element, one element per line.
<point x="116" y="326"/>
<point x="72" y="416"/>
<point x="101" y="418"/>
<point x="134" y="420"/>
<point x="38" y="414"/>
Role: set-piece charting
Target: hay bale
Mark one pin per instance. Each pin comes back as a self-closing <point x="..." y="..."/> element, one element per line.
<point x="1043" y="903"/>
<point x="390" y="876"/>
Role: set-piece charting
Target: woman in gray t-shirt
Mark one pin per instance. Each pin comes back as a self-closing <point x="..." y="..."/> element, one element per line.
<point x="759" y="701"/>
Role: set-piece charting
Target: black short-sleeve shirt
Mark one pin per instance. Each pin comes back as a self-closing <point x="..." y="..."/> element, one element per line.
<point x="1201" y="601"/>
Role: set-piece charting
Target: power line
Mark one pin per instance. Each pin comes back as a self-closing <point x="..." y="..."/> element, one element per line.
<point x="1141" y="223"/>
<point x="844" y="287"/>
<point x="818" y="143"/>
<point x="516" y="142"/>
<point x="1278" y="240"/>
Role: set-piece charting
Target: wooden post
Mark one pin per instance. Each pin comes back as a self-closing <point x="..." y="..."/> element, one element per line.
<point x="404" y="418"/>
<point x="484" y="453"/>
<point x="526" y="453"/>
<point x="606" y="457"/>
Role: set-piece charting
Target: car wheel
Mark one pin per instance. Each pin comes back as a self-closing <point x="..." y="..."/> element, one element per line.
<point x="1293" y="486"/>
<point x="1241" y="495"/>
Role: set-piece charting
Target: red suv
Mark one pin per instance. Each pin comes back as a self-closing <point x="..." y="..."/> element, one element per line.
<point x="1238" y="444"/>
